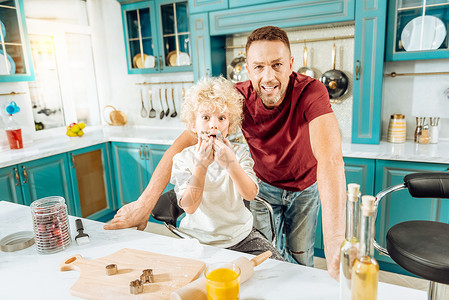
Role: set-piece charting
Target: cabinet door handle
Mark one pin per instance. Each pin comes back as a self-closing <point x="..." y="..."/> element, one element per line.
<point x="357" y="70"/>
<point x="25" y="174"/>
<point x="140" y="152"/>
<point x="17" y="176"/>
<point x="156" y="65"/>
<point x="145" y="152"/>
<point x="148" y="151"/>
<point x="73" y="160"/>
<point x="160" y="63"/>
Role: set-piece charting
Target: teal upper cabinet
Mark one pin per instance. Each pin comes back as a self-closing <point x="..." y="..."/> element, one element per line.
<point x="198" y="6"/>
<point x="369" y="44"/>
<point x="240" y="3"/>
<point x="202" y="63"/>
<point x="282" y="14"/>
<point x="157" y="36"/>
<point x="15" y="54"/>
<point x="417" y="29"/>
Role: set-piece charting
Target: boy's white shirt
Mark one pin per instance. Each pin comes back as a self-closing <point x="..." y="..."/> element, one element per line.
<point x="221" y="219"/>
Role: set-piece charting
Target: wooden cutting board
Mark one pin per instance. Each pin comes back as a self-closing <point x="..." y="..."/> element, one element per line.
<point x="169" y="274"/>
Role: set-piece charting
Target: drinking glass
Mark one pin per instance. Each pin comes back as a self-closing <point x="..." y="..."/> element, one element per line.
<point x="222" y="281"/>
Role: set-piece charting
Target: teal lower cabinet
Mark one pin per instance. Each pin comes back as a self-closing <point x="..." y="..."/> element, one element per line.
<point x="357" y="170"/>
<point x="10" y="185"/>
<point x="133" y="165"/>
<point x="27" y="182"/>
<point x="400" y="206"/>
<point x="360" y="171"/>
<point x="91" y="182"/>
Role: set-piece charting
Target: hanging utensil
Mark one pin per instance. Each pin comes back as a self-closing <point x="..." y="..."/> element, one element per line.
<point x="237" y="69"/>
<point x="152" y="110"/>
<point x="166" y="101"/>
<point x="335" y="81"/>
<point x="174" y="114"/>
<point x="161" y="116"/>
<point x="143" y="111"/>
<point x="304" y="69"/>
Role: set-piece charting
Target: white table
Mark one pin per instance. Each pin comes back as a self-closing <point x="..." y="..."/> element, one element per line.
<point x="26" y="274"/>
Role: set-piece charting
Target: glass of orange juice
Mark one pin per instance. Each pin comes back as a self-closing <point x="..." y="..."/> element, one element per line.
<point x="222" y="281"/>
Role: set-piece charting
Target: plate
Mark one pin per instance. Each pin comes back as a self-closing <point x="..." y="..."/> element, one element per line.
<point x="137" y="61"/>
<point x="150" y="61"/>
<point x="171" y="58"/>
<point x="423" y="33"/>
<point x="175" y="58"/>
<point x="183" y="59"/>
<point x="10" y="67"/>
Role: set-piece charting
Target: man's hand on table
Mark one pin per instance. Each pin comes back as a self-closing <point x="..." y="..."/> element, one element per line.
<point x="332" y="253"/>
<point x="134" y="214"/>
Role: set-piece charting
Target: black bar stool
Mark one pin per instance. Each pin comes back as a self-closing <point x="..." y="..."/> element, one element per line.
<point x="421" y="247"/>
<point x="168" y="211"/>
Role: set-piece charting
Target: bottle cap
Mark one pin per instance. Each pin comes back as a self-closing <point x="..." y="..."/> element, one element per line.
<point x="397" y="116"/>
<point x="368" y="206"/>
<point x="353" y="191"/>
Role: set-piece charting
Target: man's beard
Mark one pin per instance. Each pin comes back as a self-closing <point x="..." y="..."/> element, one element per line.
<point x="271" y="101"/>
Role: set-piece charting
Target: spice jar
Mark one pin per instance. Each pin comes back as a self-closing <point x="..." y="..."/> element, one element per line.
<point x="396" y="129"/>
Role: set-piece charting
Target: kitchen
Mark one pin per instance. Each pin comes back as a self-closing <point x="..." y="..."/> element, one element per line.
<point x="413" y="96"/>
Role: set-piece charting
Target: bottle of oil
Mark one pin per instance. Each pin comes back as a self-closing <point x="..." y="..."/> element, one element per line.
<point x="349" y="247"/>
<point x="365" y="271"/>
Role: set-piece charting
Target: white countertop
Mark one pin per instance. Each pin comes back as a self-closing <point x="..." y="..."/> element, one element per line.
<point x="26" y="274"/>
<point x="409" y="151"/>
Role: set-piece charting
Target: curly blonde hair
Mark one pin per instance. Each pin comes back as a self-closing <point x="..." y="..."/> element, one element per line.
<point x="214" y="93"/>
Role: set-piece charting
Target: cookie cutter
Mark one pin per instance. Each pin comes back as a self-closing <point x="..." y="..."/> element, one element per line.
<point x="147" y="276"/>
<point x="111" y="269"/>
<point x="136" y="287"/>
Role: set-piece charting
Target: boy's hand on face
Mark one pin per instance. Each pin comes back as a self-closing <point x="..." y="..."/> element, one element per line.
<point x="224" y="155"/>
<point x="205" y="153"/>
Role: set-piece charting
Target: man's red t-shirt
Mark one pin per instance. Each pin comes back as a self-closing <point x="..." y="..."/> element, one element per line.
<point x="278" y="138"/>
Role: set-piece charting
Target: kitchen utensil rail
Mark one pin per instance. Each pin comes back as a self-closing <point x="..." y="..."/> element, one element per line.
<point x="394" y="74"/>
<point x="343" y="37"/>
<point x="13" y="93"/>
<point x="167" y="82"/>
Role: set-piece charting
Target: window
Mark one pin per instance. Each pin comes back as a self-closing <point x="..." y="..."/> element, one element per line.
<point x="65" y="88"/>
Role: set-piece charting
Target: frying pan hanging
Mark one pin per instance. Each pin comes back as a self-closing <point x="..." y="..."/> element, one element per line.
<point x="335" y="81"/>
<point x="304" y="69"/>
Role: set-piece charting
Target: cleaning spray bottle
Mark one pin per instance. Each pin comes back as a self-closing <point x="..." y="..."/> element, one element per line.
<point x="13" y="130"/>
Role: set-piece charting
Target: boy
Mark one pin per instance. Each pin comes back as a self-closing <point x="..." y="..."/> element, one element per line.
<point x="213" y="177"/>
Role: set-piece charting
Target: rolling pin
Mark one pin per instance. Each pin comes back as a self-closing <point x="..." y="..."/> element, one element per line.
<point x="196" y="290"/>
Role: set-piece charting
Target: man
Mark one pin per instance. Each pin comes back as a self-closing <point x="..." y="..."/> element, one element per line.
<point x="294" y="140"/>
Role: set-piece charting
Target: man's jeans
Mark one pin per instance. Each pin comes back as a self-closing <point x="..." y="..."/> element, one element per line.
<point x="295" y="217"/>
